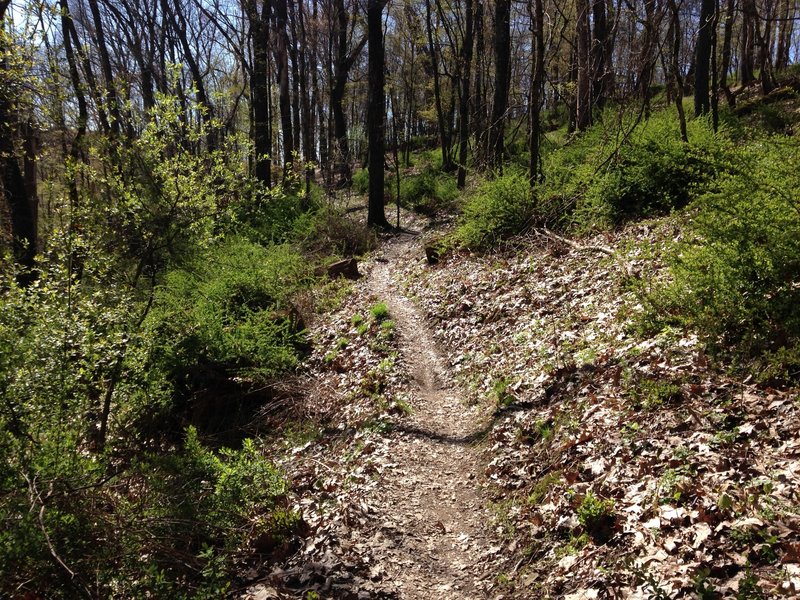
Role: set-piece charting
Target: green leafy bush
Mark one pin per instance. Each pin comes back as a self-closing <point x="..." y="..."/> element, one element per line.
<point x="229" y="313"/>
<point x="329" y="230"/>
<point x="499" y="208"/>
<point x="361" y="181"/>
<point x="623" y="169"/>
<point x="428" y="191"/>
<point x="734" y="277"/>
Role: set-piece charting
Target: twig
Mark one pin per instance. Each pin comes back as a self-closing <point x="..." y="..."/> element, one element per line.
<point x="36" y="498"/>
<point x="545" y="232"/>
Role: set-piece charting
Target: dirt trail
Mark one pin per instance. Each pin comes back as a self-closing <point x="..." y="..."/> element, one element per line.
<point x="433" y="508"/>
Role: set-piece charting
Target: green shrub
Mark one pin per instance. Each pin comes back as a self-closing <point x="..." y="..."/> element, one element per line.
<point x="734" y="277"/>
<point x="622" y="169"/>
<point x="499" y="209"/>
<point x="597" y="517"/>
<point x="330" y="231"/>
<point x="361" y="181"/>
<point x="379" y="311"/>
<point x="428" y="191"/>
<point x="229" y="313"/>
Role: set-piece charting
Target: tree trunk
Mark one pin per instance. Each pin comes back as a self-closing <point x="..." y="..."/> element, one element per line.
<point x="785" y="31"/>
<point x="112" y="99"/>
<point x="647" y="62"/>
<point x="464" y="104"/>
<point x="502" y="65"/>
<point x="479" y="105"/>
<point x="444" y="135"/>
<point x="702" y="67"/>
<point x="676" y="78"/>
<point x="726" y="53"/>
<point x="284" y="100"/>
<point x="21" y="207"/>
<point x="583" y="97"/>
<point x="343" y="62"/>
<point x="305" y="106"/>
<point x="602" y="52"/>
<point x="259" y="95"/>
<point x="747" y="54"/>
<point x="537" y="89"/>
<point x="376" y="114"/>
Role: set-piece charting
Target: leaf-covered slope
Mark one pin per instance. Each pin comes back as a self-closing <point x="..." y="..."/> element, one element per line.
<point x="621" y="464"/>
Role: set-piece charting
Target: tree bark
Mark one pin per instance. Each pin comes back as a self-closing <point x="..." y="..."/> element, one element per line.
<point x="502" y="65"/>
<point x="676" y="77"/>
<point x="537" y="89"/>
<point x="259" y="93"/>
<point x="702" y="68"/>
<point x="376" y="114"/>
<point x="112" y="99"/>
<point x="602" y="55"/>
<point x="464" y="103"/>
<point x="284" y="100"/>
<point x="21" y="207"/>
<point x="725" y="68"/>
<point x="444" y="135"/>
<point x="583" y="96"/>
<point x="343" y="62"/>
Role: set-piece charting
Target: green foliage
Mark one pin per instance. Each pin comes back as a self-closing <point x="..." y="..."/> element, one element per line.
<point x="328" y="230"/>
<point x="379" y="311"/>
<point x="228" y="312"/>
<point x="624" y="169"/>
<point x="361" y="181"/>
<point x="428" y="191"/>
<point x="733" y="276"/>
<point x="597" y="517"/>
<point x="143" y="290"/>
<point x="500" y="208"/>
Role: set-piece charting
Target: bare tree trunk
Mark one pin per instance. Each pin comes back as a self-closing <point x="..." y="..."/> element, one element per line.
<point x="21" y="207"/>
<point x="785" y="30"/>
<point x="259" y="95"/>
<point x="294" y="54"/>
<point x="305" y="106"/>
<point x="583" y="98"/>
<point x="479" y="105"/>
<point x="343" y="62"/>
<point x="702" y="69"/>
<point x="284" y="100"/>
<point x="726" y="52"/>
<point x="647" y="62"/>
<point x="602" y="55"/>
<point x="747" y="54"/>
<point x="537" y="89"/>
<point x="676" y="77"/>
<point x="376" y="114"/>
<point x="112" y="99"/>
<point x="444" y="134"/>
<point x="502" y="60"/>
<point x="464" y="103"/>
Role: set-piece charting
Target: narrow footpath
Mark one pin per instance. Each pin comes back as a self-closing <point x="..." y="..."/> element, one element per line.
<point x="432" y="508"/>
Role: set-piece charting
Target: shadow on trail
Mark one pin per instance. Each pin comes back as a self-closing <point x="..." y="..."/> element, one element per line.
<point x="470" y="439"/>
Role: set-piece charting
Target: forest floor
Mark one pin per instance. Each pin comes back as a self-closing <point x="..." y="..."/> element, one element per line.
<point x="506" y="432"/>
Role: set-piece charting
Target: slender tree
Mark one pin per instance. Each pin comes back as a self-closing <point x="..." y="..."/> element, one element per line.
<point x="258" y="13"/>
<point x="702" y="68"/>
<point x="537" y="91"/>
<point x="281" y="50"/>
<point x="464" y="99"/>
<point x="583" y="96"/>
<point x="502" y="81"/>
<point x="21" y="207"/>
<point x="376" y="114"/>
